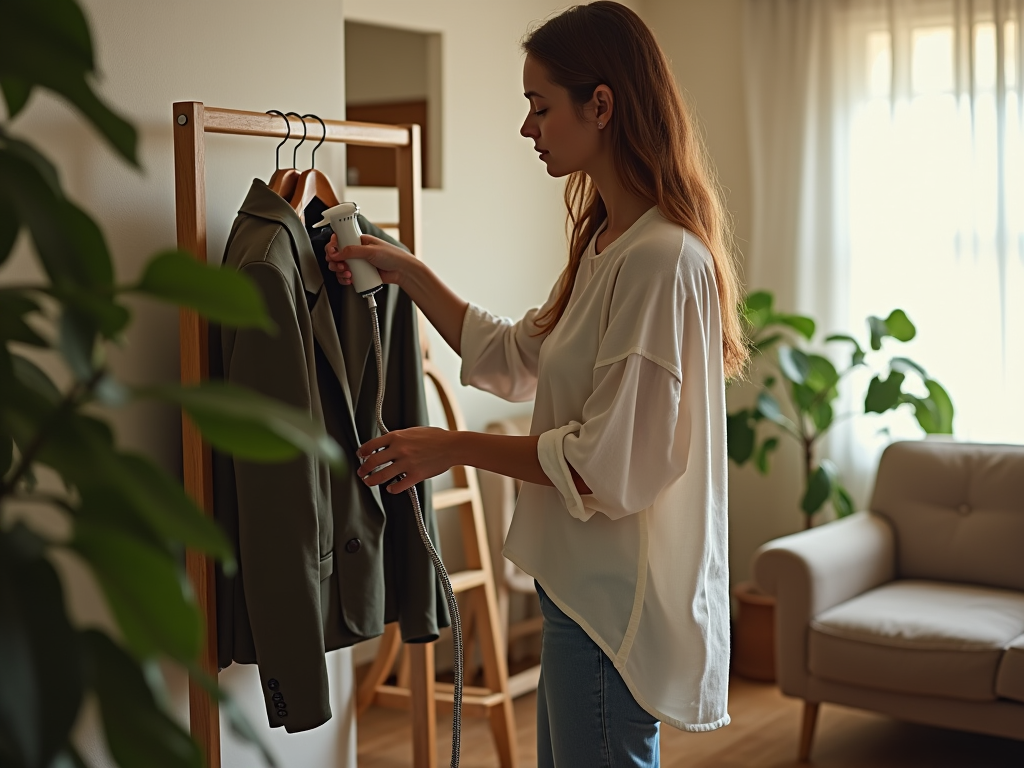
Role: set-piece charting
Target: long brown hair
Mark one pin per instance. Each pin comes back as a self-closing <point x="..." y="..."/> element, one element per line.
<point x="657" y="152"/>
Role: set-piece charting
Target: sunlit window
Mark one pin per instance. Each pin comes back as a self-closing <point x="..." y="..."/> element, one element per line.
<point x="936" y="203"/>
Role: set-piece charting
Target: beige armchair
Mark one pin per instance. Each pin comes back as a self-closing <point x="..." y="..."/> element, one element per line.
<point x="915" y="608"/>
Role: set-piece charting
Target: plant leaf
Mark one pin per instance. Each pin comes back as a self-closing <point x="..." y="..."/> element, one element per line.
<point x="163" y="504"/>
<point x="9" y="228"/>
<point x="763" y="452"/>
<point x="794" y="364"/>
<point x="36" y="159"/>
<point x="884" y="395"/>
<point x="47" y="43"/>
<point x="32" y="376"/>
<point x="898" y="326"/>
<point x="144" y="589"/>
<point x="943" y="404"/>
<point x="821" y="375"/>
<point x="769" y="408"/>
<point x="82" y="451"/>
<point x="858" y="354"/>
<point x="16" y="93"/>
<point x="740" y="436"/>
<point x="138" y="732"/>
<point x="19" y="706"/>
<point x="77" y="342"/>
<point x="802" y="325"/>
<point x="763" y="344"/>
<point x="53" y="663"/>
<point x="6" y="453"/>
<point x="249" y="425"/>
<point x="822" y="415"/>
<point x="13" y="308"/>
<point x="219" y="293"/>
<point x="904" y="364"/>
<point x="70" y="246"/>
<point x="935" y="412"/>
<point x="878" y="329"/>
<point x="757" y="308"/>
<point x="842" y="501"/>
<point x="819" y="488"/>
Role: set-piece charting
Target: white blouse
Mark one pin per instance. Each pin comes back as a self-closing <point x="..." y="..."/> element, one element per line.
<point x="629" y="390"/>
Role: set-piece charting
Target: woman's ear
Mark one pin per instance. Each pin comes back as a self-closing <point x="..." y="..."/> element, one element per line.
<point x="603" y="104"/>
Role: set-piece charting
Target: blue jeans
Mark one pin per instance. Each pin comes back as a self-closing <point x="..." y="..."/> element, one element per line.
<point x="586" y="717"/>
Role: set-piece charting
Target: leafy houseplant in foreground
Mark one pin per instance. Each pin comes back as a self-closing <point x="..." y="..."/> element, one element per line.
<point x="807" y="382"/>
<point x="126" y="519"/>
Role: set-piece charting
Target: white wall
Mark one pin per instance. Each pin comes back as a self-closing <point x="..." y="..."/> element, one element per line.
<point x="225" y="53"/>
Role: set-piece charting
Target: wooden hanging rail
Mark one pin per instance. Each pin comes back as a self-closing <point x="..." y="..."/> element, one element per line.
<point x="239" y="123"/>
<point x="192" y="121"/>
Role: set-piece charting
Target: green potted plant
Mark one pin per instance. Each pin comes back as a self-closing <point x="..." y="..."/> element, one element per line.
<point x="797" y="398"/>
<point x="120" y="515"/>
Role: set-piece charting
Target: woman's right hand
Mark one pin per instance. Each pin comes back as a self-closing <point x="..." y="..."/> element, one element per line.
<point x="390" y="261"/>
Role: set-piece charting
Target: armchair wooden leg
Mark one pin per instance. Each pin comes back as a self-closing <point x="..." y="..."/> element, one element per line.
<point x="807" y="732"/>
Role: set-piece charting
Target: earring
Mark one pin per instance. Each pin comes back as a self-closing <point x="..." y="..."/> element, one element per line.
<point x="600" y="125"/>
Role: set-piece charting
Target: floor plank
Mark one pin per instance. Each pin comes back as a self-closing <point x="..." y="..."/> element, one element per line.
<point x="763" y="734"/>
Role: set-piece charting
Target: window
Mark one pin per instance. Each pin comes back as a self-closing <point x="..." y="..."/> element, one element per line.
<point x="936" y="206"/>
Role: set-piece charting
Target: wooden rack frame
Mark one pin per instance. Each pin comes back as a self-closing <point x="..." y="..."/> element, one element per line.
<point x="192" y="121"/>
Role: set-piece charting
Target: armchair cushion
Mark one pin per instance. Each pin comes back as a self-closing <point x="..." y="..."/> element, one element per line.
<point x="957" y="510"/>
<point x="918" y="637"/>
<point x="1010" y="680"/>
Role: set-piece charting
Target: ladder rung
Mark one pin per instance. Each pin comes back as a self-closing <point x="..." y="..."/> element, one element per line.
<point x="530" y="626"/>
<point x="473" y="704"/>
<point x="451" y="497"/>
<point x="465" y="580"/>
<point x="523" y="682"/>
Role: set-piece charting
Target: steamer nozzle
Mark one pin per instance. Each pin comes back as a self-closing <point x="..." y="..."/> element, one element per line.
<point x="343" y="220"/>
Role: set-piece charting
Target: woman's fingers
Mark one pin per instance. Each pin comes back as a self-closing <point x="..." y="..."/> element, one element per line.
<point x="367" y="448"/>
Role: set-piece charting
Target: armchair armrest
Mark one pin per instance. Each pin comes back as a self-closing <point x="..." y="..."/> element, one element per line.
<point x="811" y="571"/>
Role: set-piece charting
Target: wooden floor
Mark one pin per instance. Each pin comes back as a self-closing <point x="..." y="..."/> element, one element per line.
<point x="763" y="734"/>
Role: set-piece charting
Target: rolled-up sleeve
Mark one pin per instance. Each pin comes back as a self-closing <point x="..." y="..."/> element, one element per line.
<point x="500" y="356"/>
<point x="628" y="446"/>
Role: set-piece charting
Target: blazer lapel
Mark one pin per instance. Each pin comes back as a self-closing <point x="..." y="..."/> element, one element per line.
<point x="262" y="201"/>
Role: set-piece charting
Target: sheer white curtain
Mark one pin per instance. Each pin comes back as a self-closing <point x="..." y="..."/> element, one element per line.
<point x="889" y="172"/>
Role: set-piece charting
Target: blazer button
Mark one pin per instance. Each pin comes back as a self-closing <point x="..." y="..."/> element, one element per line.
<point x="282" y="713"/>
<point x="272" y="684"/>
<point x="280" y="704"/>
<point x="278" y="696"/>
<point x="352" y="546"/>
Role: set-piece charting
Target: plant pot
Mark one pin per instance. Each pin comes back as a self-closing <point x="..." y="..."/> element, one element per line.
<point x="753" y="652"/>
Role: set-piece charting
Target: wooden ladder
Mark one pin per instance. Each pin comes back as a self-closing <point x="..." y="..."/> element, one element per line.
<point x="479" y="609"/>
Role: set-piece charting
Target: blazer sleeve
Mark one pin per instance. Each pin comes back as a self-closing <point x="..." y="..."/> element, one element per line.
<point x="278" y="519"/>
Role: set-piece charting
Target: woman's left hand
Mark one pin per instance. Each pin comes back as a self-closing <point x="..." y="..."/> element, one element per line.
<point x="417" y="452"/>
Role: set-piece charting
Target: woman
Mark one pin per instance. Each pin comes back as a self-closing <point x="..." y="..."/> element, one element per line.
<point x="622" y="516"/>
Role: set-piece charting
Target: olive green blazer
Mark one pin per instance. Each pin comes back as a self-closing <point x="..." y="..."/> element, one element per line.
<point x="324" y="561"/>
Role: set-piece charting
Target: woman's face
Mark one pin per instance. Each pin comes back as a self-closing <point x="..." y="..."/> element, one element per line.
<point x="565" y="142"/>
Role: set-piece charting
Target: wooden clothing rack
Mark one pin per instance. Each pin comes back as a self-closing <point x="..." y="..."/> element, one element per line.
<point x="192" y="121"/>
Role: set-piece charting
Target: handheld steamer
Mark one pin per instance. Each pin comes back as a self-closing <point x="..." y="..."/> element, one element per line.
<point x="366" y="280"/>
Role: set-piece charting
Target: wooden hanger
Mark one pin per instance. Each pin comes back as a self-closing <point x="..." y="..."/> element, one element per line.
<point x="284" y="179"/>
<point x="313" y="183"/>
